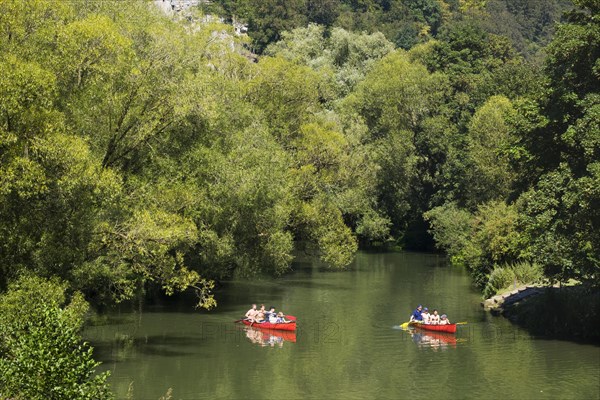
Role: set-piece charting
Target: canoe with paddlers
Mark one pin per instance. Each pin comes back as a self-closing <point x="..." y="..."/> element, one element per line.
<point x="285" y="326"/>
<point x="448" y="328"/>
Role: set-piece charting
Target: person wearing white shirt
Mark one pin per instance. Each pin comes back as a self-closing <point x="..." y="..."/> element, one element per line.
<point x="272" y="316"/>
<point x="425" y="315"/>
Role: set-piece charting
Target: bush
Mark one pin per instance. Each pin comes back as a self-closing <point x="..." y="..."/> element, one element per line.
<point x="41" y="352"/>
<point x="499" y="279"/>
<point x="502" y="278"/>
<point x="526" y="272"/>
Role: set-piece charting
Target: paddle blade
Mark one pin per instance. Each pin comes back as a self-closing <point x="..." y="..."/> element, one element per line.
<point x="461" y="323"/>
<point x="404" y="325"/>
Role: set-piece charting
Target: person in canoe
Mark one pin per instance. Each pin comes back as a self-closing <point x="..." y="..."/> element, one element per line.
<point x="416" y="315"/>
<point x="251" y="314"/>
<point x="271" y="315"/>
<point x="425" y="315"/>
<point x="276" y="317"/>
<point x="281" y="318"/>
<point x="434" y="318"/>
<point x="444" y="320"/>
<point x="261" y="315"/>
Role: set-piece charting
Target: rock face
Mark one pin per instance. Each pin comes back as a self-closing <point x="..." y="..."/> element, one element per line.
<point x="164" y="5"/>
<point x="169" y="6"/>
<point x="172" y="7"/>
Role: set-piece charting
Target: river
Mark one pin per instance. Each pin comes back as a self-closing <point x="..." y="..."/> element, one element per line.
<point x="348" y="344"/>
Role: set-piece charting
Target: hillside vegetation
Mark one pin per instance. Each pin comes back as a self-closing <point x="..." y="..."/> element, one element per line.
<point x="139" y="151"/>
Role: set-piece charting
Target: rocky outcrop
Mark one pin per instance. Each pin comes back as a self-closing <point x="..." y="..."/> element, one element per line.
<point x="169" y="6"/>
<point x="496" y="304"/>
<point x="178" y="7"/>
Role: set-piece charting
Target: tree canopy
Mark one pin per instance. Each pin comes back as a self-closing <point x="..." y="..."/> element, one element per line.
<point x="139" y="150"/>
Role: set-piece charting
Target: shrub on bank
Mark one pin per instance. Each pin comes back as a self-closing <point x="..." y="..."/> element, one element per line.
<point x="42" y="355"/>
<point x="503" y="278"/>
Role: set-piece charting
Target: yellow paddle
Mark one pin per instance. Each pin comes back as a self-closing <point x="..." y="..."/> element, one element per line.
<point x="406" y="324"/>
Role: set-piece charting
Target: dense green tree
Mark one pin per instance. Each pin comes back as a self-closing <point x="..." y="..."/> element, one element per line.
<point x="480" y="241"/>
<point x="343" y="58"/>
<point x="528" y="24"/>
<point x="560" y="212"/>
<point x="395" y="100"/>
<point x="268" y="19"/>
<point x="441" y="162"/>
<point x="490" y="176"/>
<point x="397" y="95"/>
<point x="50" y="184"/>
<point x="287" y="93"/>
<point x="67" y="125"/>
<point x="548" y="147"/>
<point x="322" y="12"/>
<point x="560" y="220"/>
<point x="572" y="65"/>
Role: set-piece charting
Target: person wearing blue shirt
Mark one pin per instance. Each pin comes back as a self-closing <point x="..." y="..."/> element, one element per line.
<point x="416" y="315"/>
<point x="271" y="315"/>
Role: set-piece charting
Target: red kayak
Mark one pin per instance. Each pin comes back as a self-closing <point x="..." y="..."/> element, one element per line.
<point x="290" y="326"/>
<point x="448" y="328"/>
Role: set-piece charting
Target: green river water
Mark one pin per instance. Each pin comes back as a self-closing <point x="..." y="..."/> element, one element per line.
<point x="348" y="344"/>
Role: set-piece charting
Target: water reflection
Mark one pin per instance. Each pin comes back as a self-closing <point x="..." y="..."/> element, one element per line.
<point x="433" y="340"/>
<point x="269" y="337"/>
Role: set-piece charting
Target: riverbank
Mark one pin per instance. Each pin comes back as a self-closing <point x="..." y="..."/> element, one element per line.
<point x="567" y="312"/>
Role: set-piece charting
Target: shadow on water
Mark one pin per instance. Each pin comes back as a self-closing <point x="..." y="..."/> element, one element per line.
<point x="555" y="313"/>
<point x="109" y="319"/>
<point x="316" y="285"/>
<point x="125" y="346"/>
<point x="155" y="351"/>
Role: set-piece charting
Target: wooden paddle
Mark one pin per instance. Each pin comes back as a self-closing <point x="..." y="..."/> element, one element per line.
<point x="244" y="319"/>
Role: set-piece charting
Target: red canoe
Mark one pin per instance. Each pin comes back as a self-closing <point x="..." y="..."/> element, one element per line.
<point x="448" y="328"/>
<point x="290" y="326"/>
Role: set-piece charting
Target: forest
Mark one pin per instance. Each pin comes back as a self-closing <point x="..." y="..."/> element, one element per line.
<point x="144" y="151"/>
